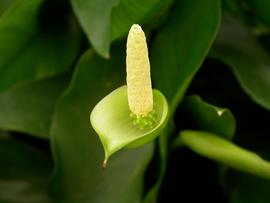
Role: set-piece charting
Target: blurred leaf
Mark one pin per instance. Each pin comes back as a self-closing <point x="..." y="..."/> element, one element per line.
<point x="262" y="8"/>
<point x="181" y="46"/>
<point x="31" y="46"/>
<point x="94" y="17"/>
<point x="231" y="6"/>
<point x="4" y="4"/>
<point x="29" y="107"/>
<point x="129" y="12"/>
<point x="244" y="188"/>
<point x="198" y="114"/>
<point x="172" y="73"/>
<point x="24" y="173"/>
<point x="104" y="21"/>
<point x="209" y="117"/>
<point x="117" y="129"/>
<point x="250" y="63"/>
<point x="163" y="139"/>
<point x="218" y="149"/>
<point x="77" y="149"/>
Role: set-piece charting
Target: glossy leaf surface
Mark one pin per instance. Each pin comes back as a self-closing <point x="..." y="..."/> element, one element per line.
<point x="250" y="63"/>
<point x="24" y="173"/>
<point x="94" y="17"/>
<point x="180" y="47"/>
<point x="209" y="117"/>
<point x="244" y="188"/>
<point x="218" y="149"/>
<point x="32" y="46"/>
<point x="29" y="107"/>
<point x="4" y="4"/>
<point x="176" y="55"/>
<point x="163" y="152"/>
<point x="77" y="150"/>
<point x="261" y="8"/>
<point x="106" y="20"/>
<point x="129" y="12"/>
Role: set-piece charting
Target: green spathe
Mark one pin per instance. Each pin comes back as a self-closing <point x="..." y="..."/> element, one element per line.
<point x="117" y="127"/>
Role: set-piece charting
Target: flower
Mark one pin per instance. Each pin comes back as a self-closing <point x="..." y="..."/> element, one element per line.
<point x="139" y="86"/>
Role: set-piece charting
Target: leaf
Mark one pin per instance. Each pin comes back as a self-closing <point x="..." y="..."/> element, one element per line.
<point x="209" y="117"/>
<point x="94" y="17"/>
<point x="232" y="7"/>
<point x="24" y="173"/>
<point x="29" y="107"/>
<point x="200" y="115"/>
<point x="163" y="151"/>
<point x="249" y="62"/>
<point x="129" y="12"/>
<point x="261" y="8"/>
<point x="4" y="4"/>
<point x="33" y="46"/>
<point x="104" y="21"/>
<point x="218" y="149"/>
<point x="181" y="46"/>
<point x="76" y="148"/>
<point x="111" y="118"/>
<point x="172" y="73"/>
<point x="244" y="188"/>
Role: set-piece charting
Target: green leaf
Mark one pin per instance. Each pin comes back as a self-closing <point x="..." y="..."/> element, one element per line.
<point x="172" y="73"/>
<point x="163" y="151"/>
<point x="33" y="46"/>
<point x="231" y="6"/>
<point x="204" y="116"/>
<point x="29" y="107"/>
<point x="24" y="173"/>
<point x="117" y="128"/>
<point x="218" y="149"/>
<point x="77" y="149"/>
<point x="4" y="4"/>
<point x="244" y="188"/>
<point x="129" y="12"/>
<point x="94" y="17"/>
<point x="181" y="46"/>
<point x="262" y="8"/>
<point x="249" y="62"/>
<point x="104" y="21"/>
<point x="209" y="117"/>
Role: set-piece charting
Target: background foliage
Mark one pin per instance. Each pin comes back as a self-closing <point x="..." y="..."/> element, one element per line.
<point x="59" y="58"/>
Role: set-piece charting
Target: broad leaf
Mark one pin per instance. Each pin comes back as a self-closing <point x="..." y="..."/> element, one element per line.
<point x="94" y="17"/>
<point x="4" y="4"/>
<point x="177" y="54"/>
<point x="198" y="114"/>
<point x="231" y="6"/>
<point x="24" y="173"/>
<point x="129" y="12"/>
<point x="244" y="188"/>
<point x="209" y="117"/>
<point x="218" y="149"/>
<point x="32" y="45"/>
<point x="163" y="151"/>
<point x="250" y="63"/>
<point x="181" y="46"/>
<point x="29" y="107"/>
<point x="77" y="149"/>
<point x="107" y="20"/>
<point x="261" y="8"/>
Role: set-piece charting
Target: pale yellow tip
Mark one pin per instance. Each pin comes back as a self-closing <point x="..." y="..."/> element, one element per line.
<point x="140" y="96"/>
<point x="136" y="28"/>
